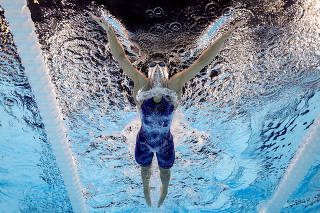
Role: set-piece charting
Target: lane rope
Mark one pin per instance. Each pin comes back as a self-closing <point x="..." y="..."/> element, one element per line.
<point x="21" y="26"/>
<point x="306" y="154"/>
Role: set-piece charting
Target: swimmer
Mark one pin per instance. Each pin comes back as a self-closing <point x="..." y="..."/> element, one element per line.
<point x="157" y="96"/>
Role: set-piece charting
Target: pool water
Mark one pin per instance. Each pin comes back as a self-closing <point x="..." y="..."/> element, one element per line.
<point x="236" y="130"/>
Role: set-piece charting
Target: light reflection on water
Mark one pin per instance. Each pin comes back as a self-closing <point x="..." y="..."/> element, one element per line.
<point x="231" y="131"/>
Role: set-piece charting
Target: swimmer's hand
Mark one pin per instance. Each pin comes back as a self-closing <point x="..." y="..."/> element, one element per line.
<point x="101" y="21"/>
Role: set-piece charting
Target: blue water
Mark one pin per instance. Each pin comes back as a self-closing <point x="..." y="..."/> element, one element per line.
<point x="235" y="134"/>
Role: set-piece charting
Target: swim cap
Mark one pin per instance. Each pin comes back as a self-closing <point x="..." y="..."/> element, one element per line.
<point x="158" y="76"/>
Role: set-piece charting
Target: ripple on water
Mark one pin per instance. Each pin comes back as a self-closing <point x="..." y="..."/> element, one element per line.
<point x="256" y="63"/>
<point x="316" y="182"/>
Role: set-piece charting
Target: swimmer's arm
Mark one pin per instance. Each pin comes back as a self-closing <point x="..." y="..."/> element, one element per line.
<point x="177" y="81"/>
<point x="118" y="53"/>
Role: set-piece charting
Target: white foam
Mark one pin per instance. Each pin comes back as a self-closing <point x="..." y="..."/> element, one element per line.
<point x="143" y="95"/>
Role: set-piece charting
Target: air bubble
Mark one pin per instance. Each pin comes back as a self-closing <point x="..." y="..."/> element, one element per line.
<point x="175" y="26"/>
<point x="9" y="101"/>
<point x="227" y="11"/>
<point x="158" y="11"/>
<point x="150" y="13"/>
<point x="211" y="9"/>
<point x="157" y="30"/>
<point x="144" y="40"/>
<point x="200" y="24"/>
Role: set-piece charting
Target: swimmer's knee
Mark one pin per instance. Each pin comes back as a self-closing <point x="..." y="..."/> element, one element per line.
<point x="164" y="170"/>
<point x="147" y="167"/>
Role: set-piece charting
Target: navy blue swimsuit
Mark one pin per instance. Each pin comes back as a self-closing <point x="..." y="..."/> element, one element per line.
<point x="154" y="134"/>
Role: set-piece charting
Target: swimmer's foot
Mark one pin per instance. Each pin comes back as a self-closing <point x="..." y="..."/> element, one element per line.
<point x="164" y="192"/>
<point x="146" y="192"/>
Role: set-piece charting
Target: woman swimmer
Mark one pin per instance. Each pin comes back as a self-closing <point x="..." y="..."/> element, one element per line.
<point x="157" y="97"/>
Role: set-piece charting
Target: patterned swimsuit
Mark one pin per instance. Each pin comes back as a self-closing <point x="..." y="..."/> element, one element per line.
<point x="154" y="134"/>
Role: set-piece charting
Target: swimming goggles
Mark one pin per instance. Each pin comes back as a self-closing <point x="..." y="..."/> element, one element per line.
<point x="153" y="64"/>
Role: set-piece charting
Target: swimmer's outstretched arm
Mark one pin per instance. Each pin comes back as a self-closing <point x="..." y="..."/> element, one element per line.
<point x="177" y="81"/>
<point x="118" y="53"/>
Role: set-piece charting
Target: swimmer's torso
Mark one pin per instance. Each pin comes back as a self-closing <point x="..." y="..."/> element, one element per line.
<point x="156" y="120"/>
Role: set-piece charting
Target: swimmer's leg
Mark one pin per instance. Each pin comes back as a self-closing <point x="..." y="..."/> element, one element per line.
<point x="146" y="174"/>
<point x="165" y="178"/>
<point x="165" y="158"/>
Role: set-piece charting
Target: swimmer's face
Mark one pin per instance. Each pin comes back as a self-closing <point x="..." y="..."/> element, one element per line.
<point x="158" y="74"/>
